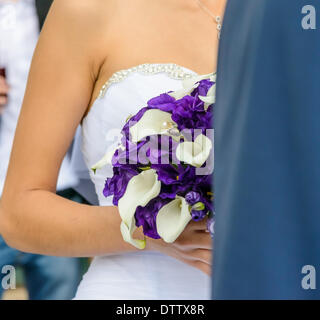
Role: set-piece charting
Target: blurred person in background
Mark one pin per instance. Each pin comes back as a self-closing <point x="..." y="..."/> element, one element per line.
<point x="267" y="155"/>
<point x="47" y="278"/>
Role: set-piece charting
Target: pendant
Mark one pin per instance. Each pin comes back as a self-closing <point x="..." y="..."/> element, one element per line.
<point x="219" y="25"/>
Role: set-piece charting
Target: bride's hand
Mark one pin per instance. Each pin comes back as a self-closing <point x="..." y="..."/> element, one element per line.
<point x="193" y="247"/>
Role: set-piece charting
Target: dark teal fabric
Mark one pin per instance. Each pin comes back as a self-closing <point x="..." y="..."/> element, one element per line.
<point x="43" y="7"/>
<point x="267" y="152"/>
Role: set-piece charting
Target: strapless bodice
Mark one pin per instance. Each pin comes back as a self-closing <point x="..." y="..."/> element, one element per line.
<point x="143" y="274"/>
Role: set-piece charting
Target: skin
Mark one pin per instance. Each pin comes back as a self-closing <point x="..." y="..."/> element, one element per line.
<point x="4" y="90"/>
<point x="82" y="44"/>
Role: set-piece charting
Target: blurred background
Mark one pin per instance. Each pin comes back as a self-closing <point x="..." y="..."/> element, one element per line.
<point x="21" y="291"/>
<point x="37" y="277"/>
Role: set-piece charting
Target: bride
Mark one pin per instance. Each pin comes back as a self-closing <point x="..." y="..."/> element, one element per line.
<point x="75" y="79"/>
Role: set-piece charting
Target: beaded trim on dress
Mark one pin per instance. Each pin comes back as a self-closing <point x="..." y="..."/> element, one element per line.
<point x="171" y="69"/>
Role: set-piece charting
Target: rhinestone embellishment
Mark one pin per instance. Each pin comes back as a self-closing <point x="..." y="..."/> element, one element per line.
<point x="174" y="71"/>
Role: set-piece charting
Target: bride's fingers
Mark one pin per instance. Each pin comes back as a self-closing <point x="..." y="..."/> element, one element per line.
<point x="198" y="225"/>
<point x="191" y="256"/>
<point x="202" y="255"/>
<point x="206" y="241"/>
<point x="201" y="240"/>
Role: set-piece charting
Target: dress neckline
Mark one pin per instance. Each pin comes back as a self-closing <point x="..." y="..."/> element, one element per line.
<point x="173" y="70"/>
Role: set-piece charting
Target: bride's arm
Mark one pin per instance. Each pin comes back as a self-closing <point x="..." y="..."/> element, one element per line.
<point x="62" y="76"/>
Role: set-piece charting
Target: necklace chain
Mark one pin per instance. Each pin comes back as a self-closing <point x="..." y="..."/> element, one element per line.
<point x="217" y="19"/>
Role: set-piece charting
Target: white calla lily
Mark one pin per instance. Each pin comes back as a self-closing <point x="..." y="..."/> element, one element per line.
<point x="213" y="77"/>
<point x="107" y="159"/>
<point x="195" y="153"/>
<point x="127" y="233"/>
<point x="210" y="98"/>
<point x="153" y="122"/>
<point x="140" y="190"/>
<point x="179" y="94"/>
<point x="189" y="85"/>
<point x="172" y="219"/>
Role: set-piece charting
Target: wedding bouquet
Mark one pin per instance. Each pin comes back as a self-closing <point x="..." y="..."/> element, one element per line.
<point x="162" y="169"/>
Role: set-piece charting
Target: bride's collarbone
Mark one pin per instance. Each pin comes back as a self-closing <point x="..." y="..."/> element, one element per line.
<point x="140" y="42"/>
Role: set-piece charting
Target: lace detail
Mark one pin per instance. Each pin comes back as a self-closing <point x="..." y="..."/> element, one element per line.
<point x="171" y="69"/>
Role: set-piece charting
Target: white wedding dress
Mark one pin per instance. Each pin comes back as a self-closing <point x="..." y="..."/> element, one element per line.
<point x="140" y="275"/>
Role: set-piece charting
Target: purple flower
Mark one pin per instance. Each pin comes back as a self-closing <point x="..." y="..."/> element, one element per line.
<point x="160" y="149"/>
<point x="198" y="215"/>
<point x="192" y="197"/>
<point x="164" y="103"/>
<point x="203" y="88"/>
<point x="146" y="217"/>
<point x="117" y="185"/>
<point x="190" y="114"/>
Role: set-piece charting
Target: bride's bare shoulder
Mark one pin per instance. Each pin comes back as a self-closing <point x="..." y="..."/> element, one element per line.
<point x="89" y="15"/>
<point x="88" y="8"/>
<point x="79" y="25"/>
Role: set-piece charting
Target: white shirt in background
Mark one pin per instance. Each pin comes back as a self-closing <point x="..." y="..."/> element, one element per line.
<point x="19" y="31"/>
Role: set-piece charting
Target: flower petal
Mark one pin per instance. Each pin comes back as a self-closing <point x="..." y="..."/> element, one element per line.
<point x="189" y="85"/>
<point x="107" y="159"/>
<point x="210" y="98"/>
<point x="195" y="153"/>
<point x="179" y="94"/>
<point x="127" y="233"/>
<point x="153" y="122"/>
<point x="191" y="82"/>
<point x="140" y="190"/>
<point x="172" y="219"/>
<point x="213" y="77"/>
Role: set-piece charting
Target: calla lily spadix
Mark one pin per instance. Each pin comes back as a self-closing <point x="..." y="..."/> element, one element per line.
<point x="140" y="190"/>
<point x="189" y="85"/>
<point x="195" y="153"/>
<point x="172" y="219"/>
<point x="153" y="122"/>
